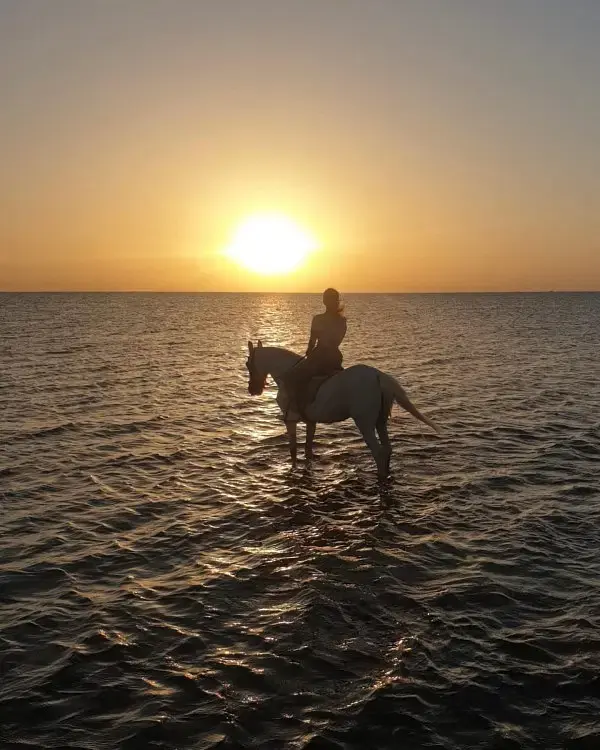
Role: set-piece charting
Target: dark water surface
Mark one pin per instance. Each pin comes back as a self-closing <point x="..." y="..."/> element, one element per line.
<point x="167" y="582"/>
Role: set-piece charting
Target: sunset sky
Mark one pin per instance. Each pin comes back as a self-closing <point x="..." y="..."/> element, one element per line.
<point x="426" y="145"/>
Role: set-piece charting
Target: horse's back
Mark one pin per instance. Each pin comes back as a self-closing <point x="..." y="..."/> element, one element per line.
<point x="360" y="368"/>
<point x="351" y="393"/>
<point x="356" y="375"/>
<point x="359" y="372"/>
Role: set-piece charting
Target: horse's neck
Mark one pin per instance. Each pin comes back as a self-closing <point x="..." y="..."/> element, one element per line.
<point x="278" y="361"/>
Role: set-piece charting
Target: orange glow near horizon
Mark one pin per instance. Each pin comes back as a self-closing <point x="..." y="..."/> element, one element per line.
<point x="257" y="152"/>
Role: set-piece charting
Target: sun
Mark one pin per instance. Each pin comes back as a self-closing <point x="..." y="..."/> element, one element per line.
<point x="270" y="244"/>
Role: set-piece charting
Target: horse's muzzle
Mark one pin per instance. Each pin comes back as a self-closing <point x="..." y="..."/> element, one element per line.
<point x="256" y="389"/>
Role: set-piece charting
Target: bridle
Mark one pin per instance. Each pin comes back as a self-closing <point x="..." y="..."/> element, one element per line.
<point x="256" y="383"/>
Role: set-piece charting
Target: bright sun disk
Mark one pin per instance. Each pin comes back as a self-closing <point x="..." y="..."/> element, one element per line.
<point x="270" y="244"/>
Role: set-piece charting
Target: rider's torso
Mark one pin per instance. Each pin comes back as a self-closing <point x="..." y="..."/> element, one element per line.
<point x="330" y="330"/>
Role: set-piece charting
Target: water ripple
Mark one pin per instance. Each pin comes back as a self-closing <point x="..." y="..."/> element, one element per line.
<point x="167" y="581"/>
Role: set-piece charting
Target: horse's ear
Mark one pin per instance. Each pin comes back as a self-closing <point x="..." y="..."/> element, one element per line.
<point x="259" y="344"/>
<point x="250" y="347"/>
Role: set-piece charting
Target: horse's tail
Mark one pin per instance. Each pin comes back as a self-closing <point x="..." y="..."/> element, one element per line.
<point x="398" y="394"/>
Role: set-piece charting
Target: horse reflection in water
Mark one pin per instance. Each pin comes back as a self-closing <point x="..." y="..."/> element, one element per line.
<point x="360" y="392"/>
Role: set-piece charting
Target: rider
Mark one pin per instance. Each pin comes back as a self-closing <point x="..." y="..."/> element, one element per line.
<point x="323" y="356"/>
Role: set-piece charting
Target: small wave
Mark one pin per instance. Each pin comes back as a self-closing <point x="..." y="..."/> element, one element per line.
<point x="167" y="579"/>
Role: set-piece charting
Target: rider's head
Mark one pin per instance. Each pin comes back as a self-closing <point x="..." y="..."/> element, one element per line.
<point x="332" y="302"/>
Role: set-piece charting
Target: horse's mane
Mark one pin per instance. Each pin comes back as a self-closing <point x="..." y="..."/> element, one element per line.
<point x="284" y="350"/>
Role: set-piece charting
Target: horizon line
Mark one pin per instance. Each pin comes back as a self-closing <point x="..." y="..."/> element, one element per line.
<point x="223" y="291"/>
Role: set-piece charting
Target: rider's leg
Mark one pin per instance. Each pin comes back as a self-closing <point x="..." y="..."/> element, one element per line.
<point x="307" y="369"/>
<point x="292" y="382"/>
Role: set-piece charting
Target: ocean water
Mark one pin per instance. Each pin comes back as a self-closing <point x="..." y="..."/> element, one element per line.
<point x="166" y="581"/>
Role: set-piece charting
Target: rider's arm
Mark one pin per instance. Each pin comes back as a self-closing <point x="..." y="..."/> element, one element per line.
<point x="312" y="342"/>
<point x="345" y="326"/>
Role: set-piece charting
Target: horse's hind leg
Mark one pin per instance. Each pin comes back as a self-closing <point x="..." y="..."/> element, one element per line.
<point x="384" y="438"/>
<point x="291" y="431"/>
<point x="310" y="439"/>
<point x="378" y="452"/>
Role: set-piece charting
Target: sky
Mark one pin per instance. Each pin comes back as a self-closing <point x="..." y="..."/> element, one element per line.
<point x="428" y="145"/>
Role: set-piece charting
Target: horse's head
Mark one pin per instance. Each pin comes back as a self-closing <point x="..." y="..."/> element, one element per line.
<point x="257" y="375"/>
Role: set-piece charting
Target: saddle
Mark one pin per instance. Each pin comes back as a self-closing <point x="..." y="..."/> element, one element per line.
<point x="310" y="393"/>
<point x="315" y="383"/>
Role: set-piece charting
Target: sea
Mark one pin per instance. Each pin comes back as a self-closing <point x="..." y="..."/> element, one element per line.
<point x="168" y="581"/>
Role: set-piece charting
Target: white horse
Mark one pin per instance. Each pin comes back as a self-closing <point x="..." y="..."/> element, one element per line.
<point x="360" y="392"/>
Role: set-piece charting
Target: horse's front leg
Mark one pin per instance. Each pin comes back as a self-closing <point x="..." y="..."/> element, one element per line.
<point x="310" y="440"/>
<point x="292" y="437"/>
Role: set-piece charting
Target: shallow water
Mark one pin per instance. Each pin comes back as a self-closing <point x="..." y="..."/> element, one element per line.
<point x="167" y="581"/>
